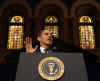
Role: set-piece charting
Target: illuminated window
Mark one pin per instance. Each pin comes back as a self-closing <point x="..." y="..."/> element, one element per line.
<point x="52" y="21"/>
<point x="87" y="37"/>
<point x="15" y="34"/>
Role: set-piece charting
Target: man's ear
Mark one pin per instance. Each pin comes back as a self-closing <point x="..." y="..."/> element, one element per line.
<point x="38" y="38"/>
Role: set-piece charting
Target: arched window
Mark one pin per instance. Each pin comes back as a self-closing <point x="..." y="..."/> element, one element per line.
<point x="51" y="24"/>
<point x="87" y="37"/>
<point x="15" y="33"/>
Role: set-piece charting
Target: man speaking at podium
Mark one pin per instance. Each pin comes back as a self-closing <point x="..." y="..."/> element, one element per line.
<point x="45" y="39"/>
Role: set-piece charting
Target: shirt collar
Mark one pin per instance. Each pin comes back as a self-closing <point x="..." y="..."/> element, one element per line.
<point x="42" y="49"/>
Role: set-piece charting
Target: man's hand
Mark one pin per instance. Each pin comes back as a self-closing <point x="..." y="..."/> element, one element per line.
<point x="28" y="45"/>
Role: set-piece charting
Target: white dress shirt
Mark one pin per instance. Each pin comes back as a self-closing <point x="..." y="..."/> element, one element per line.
<point x="42" y="50"/>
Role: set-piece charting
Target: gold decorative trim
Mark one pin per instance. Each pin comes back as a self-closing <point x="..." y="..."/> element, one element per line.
<point x="55" y="77"/>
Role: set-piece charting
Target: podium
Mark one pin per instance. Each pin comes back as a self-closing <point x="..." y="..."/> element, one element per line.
<point x="74" y="67"/>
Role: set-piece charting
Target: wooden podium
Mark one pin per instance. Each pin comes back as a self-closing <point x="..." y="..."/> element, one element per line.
<point x="74" y="67"/>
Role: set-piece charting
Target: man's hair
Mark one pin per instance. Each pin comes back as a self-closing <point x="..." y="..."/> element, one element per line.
<point x="39" y="33"/>
<point x="41" y="30"/>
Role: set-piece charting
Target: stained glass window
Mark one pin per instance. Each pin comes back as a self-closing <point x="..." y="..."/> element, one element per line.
<point x="87" y="37"/>
<point x="51" y="20"/>
<point x="15" y="34"/>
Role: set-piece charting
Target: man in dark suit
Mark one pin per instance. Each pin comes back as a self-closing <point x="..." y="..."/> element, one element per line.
<point x="46" y="45"/>
<point x="45" y="39"/>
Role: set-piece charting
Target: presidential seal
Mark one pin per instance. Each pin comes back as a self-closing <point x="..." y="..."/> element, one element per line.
<point x="51" y="68"/>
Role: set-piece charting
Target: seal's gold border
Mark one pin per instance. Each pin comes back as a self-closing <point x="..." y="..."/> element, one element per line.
<point x="59" y="75"/>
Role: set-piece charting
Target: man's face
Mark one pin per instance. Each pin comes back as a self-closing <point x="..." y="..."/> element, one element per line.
<point x="45" y="37"/>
